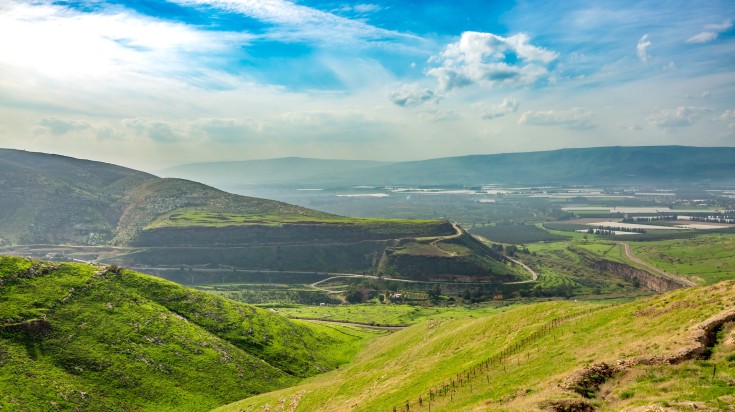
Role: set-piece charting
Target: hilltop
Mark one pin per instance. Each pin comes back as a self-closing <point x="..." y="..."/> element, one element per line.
<point x="93" y="211"/>
<point x="81" y="337"/>
<point x="579" y="166"/>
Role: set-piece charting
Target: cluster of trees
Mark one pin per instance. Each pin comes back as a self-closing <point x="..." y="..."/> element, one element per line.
<point x="510" y="250"/>
<point x="650" y="219"/>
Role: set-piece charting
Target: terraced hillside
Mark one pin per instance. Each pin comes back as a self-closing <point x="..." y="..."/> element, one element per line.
<point x="674" y="351"/>
<point x="81" y="337"/>
<point x="56" y="200"/>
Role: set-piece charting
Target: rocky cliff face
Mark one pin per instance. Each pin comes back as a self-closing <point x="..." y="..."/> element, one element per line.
<point x="656" y="283"/>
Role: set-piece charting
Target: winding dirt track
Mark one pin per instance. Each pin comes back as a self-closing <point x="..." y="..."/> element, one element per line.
<point x="629" y="254"/>
<point x="534" y="275"/>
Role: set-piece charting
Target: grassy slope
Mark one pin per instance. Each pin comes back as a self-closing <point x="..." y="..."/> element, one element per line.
<point x="705" y="259"/>
<point x="122" y="340"/>
<point x="407" y="364"/>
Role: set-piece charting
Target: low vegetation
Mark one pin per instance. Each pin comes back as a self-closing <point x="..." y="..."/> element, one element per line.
<point x="516" y="234"/>
<point x="80" y="337"/>
<point x="531" y="357"/>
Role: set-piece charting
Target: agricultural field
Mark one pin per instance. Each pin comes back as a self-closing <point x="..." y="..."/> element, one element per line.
<point x="210" y="219"/>
<point x="516" y="234"/>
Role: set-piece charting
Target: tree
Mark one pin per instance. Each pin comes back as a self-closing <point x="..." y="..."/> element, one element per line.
<point x="355" y="296"/>
<point x="435" y="292"/>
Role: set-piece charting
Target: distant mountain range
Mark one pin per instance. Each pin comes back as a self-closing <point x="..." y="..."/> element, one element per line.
<point x="268" y="171"/>
<point x="598" y="165"/>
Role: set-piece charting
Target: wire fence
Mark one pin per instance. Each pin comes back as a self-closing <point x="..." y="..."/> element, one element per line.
<point x="451" y="388"/>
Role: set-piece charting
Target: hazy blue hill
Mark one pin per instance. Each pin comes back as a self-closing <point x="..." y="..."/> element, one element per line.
<point x="269" y="171"/>
<point x="597" y="165"/>
<point x="601" y="165"/>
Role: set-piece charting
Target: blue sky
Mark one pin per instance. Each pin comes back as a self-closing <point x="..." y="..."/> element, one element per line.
<point x="156" y="83"/>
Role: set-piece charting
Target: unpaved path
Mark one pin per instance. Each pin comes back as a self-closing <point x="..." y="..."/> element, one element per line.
<point x="359" y="325"/>
<point x="629" y="254"/>
<point x="534" y="275"/>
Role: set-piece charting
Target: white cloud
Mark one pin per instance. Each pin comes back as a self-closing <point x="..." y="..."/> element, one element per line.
<point x="575" y="118"/>
<point x="301" y="23"/>
<point x="507" y="107"/>
<point x="702" y="37"/>
<point x="160" y="131"/>
<point x="711" y="32"/>
<point x="436" y="116"/>
<point x="61" y="42"/>
<point x="58" y="127"/>
<point x="227" y="130"/>
<point x="682" y="116"/>
<point x="411" y="95"/>
<point x="641" y="48"/>
<point x="364" y="8"/>
<point x="488" y="59"/>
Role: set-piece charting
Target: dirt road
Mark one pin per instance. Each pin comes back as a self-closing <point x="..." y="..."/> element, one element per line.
<point x="629" y="254"/>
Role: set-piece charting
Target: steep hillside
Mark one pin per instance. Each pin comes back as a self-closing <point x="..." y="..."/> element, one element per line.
<point x="156" y="199"/>
<point x="80" y="337"/>
<point x="674" y="351"/>
<point x="57" y="199"/>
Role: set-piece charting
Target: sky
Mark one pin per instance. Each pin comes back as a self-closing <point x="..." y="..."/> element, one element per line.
<point x="150" y="83"/>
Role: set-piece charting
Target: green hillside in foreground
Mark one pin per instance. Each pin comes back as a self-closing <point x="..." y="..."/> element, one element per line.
<point x="670" y="352"/>
<point x="81" y="337"/>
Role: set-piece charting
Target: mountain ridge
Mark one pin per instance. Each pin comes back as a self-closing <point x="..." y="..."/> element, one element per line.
<point x="592" y="165"/>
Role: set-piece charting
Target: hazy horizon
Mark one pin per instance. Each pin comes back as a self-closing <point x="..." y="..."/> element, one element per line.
<point x="156" y="84"/>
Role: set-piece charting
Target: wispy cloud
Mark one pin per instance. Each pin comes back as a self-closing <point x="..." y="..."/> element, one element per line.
<point x="641" y="49"/>
<point x="682" y="116"/>
<point x="58" y="127"/>
<point x="299" y="23"/>
<point x="575" y="118"/>
<point x="711" y="32"/>
<point x="488" y="59"/>
<point x="411" y="95"/>
<point x="507" y="107"/>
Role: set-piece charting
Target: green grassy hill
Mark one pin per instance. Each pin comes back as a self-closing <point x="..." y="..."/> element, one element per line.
<point x="674" y="351"/>
<point x="80" y="337"/>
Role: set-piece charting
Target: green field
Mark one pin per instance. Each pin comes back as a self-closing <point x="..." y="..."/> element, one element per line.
<point x="186" y="218"/>
<point x="517" y="234"/>
<point x="705" y="259"/>
<point x="386" y="314"/>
